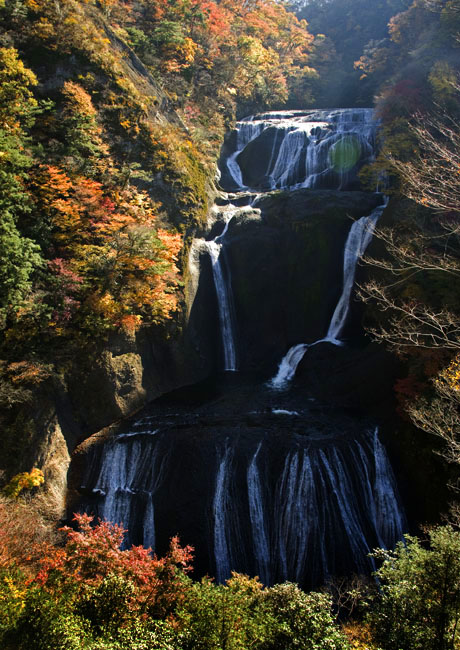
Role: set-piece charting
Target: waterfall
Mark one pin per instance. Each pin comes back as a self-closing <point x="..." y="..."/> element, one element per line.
<point x="246" y="132"/>
<point x="329" y="506"/>
<point x="258" y="520"/>
<point x="357" y="241"/>
<point x="220" y="507"/>
<point x="314" y="508"/>
<point x="223" y="292"/>
<point x="317" y="502"/>
<point x="296" y="515"/>
<point x="129" y="474"/>
<point x="291" y="159"/>
<point x="311" y="149"/>
<point x="289" y="363"/>
<point x="339" y="473"/>
<point x="389" y="521"/>
<point x="264" y="483"/>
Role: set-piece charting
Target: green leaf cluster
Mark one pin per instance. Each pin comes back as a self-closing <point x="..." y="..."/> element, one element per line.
<point x="419" y="603"/>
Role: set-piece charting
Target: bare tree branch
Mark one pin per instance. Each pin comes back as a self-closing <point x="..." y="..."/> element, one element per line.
<point x="424" y="247"/>
<point x="433" y="178"/>
<point x="411" y="323"/>
<point x="440" y="417"/>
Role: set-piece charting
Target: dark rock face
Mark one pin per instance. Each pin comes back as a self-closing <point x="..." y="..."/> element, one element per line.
<point x="103" y="385"/>
<point x="353" y="377"/>
<point x="305" y="204"/>
<point x="285" y="262"/>
<point x="116" y="381"/>
<point x="251" y="478"/>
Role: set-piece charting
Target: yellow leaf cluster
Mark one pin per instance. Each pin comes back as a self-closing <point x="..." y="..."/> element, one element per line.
<point x="451" y="375"/>
<point x="24" y="481"/>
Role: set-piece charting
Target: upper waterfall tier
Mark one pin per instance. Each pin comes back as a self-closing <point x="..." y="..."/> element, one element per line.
<point x="322" y="149"/>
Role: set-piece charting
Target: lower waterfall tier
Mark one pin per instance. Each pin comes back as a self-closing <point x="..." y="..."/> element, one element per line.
<point x="267" y="483"/>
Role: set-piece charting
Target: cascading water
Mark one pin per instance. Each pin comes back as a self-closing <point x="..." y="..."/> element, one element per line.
<point x="223" y="292"/>
<point x="302" y="508"/>
<point x="130" y="473"/>
<point x="220" y="507"/>
<point x="289" y="363"/>
<point x="358" y="240"/>
<point x="258" y="519"/>
<point x="264" y="482"/>
<point x="247" y="132"/>
<point x="310" y="149"/>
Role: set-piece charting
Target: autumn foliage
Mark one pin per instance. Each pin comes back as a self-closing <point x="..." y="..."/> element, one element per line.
<point x="85" y="591"/>
<point x="98" y="188"/>
<point x="110" y="258"/>
<point x="82" y="252"/>
<point x="93" y="553"/>
<point x="86" y="580"/>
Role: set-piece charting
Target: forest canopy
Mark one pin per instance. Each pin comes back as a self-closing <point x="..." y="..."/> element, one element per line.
<point x="97" y="188"/>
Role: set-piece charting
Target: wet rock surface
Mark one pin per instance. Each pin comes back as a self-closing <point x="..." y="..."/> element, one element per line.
<point x="283" y="258"/>
<point x="167" y="464"/>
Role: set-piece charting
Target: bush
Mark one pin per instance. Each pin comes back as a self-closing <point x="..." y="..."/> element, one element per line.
<point x="217" y="616"/>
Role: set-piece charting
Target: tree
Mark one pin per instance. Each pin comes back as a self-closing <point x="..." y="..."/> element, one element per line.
<point x="230" y="617"/>
<point x="242" y="614"/>
<point x="19" y="256"/>
<point x="24" y="481"/>
<point x="19" y="259"/>
<point x="419" y="287"/>
<point x="418" y="606"/>
<point x="431" y="178"/>
<point x="302" y="620"/>
<point x="439" y="414"/>
<point x="17" y="102"/>
<point x="112" y="265"/>
<point x="82" y="148"/>
<point x="353" y="27"/>
<point x="90" y="591"/>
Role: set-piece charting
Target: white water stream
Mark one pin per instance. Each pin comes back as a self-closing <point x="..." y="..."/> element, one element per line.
<point x="357" y="241"/>
<point x="222" y="542"/>
<point x="223" y="292"/>
<point x="258" y="519"/>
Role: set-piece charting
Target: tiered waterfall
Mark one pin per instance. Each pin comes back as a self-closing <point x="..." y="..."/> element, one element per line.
<point x="286" y="485"/>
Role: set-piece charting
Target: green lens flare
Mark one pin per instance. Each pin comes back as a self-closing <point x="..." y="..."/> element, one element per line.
<point x="345" y="154"/>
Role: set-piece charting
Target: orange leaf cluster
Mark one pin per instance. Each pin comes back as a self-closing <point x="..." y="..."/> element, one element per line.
<point x="122" y="267"/>
<point x="92" y="553"/>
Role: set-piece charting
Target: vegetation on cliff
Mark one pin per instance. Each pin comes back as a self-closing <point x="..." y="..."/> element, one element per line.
<point x="111" y="118"/>
<point x="111" y="115"/>
<point x="346" y="30"/>
<point x="415" y="291"/>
